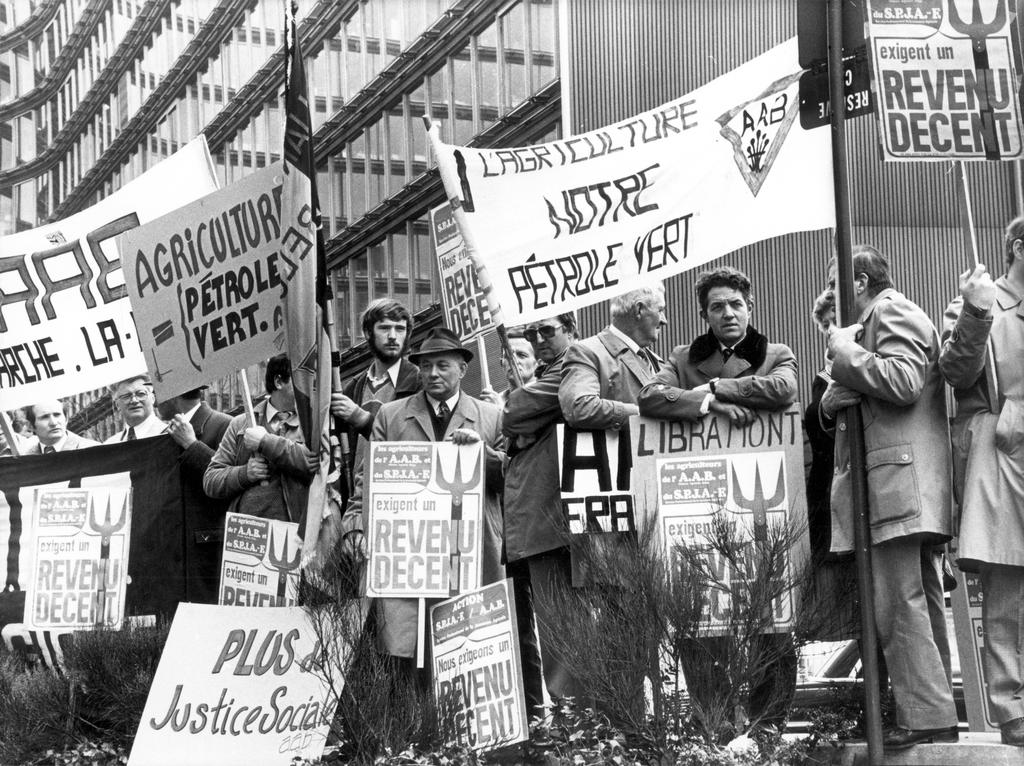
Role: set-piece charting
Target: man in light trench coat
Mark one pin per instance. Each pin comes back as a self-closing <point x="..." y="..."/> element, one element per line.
<point x="887" y="364"/>
<point x="983" y="359"/>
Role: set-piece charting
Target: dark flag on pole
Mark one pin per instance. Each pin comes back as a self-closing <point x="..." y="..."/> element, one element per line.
<point x="305" y="302"/>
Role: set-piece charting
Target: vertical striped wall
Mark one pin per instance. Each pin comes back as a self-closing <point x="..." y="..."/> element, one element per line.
<point x="627" y="56"/>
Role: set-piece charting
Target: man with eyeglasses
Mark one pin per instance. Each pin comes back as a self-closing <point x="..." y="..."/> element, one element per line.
<point x="535" y="529"/>
<point x="133" y="401"/>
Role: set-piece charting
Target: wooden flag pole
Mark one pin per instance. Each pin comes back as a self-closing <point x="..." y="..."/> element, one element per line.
<point x="481" y="354"/>
<point x="250" y="412"/>
<point x="482" y="275"/>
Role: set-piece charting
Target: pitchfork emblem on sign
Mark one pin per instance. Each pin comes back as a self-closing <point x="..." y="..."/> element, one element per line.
<point x="758" y="504"/>
<point x="106" y="531"/>
<point x="457" y="487"/>
<point x="977" y="30"/>
<point x="283" y="565"/>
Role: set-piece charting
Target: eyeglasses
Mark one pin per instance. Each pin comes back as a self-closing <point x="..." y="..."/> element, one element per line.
<point x="546" y="331"/>
<point x="137" y="395"/>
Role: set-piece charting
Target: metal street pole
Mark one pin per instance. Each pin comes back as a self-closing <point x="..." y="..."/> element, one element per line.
<point x="855" y="431"/>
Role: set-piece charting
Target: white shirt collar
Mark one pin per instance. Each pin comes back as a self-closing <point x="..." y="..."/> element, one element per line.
<point x="57" y="446"/>
<point x="451" y="402"/>
<point x="151" y="426"/>
<point x="188" y="415"/>
<point x="392" y="372"/>
<point x="632" y="344"/>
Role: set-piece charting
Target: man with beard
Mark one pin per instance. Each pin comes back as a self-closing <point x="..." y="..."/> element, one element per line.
<point x="387" y="327"/>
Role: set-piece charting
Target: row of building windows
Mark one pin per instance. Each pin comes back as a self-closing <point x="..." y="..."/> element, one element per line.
<point x="511" y="58"/>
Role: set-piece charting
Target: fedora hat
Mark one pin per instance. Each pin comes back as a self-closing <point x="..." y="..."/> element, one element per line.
<point x="440" y="340"/>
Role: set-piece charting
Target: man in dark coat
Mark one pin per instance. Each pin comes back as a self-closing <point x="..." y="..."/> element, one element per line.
<point x="198" y="428"/>
<point x="731" y="370"/>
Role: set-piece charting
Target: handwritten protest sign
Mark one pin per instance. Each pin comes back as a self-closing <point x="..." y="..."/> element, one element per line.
<point x="425" y="518"/>
<point x="566" y="224"/>
<point x="703" y="474"/>
<point x="65" y="319"/>
<point x="206" y="283"/>
<point x="595" y="475"/>
<point x="236" y="686"/>
<point x="478" y="678"/>
<point x="946" y="85"/>
<point x="465" y="308"/>
<point x="79" y="558"/>
<point x="260" y="566"/>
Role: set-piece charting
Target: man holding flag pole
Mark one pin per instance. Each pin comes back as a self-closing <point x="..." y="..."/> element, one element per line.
<point x="307" y="306"/>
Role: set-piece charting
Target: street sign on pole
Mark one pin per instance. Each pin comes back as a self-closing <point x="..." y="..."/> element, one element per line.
<point x="815" y="107"/>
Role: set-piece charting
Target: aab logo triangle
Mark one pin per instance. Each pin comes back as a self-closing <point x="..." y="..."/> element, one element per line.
<point x="757" y="128"/>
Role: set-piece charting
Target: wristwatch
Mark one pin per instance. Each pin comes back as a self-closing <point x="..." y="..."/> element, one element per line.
<point x="711" y="386"/>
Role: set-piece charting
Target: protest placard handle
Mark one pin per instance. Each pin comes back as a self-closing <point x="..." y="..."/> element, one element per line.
<point x="481" y="353"/>
<point x="247" y="397"/>
<point x="421" y="619"/>
<point x="12" y="441"/>
<point x="469" y="240"/>
<point x="970" y="232"/>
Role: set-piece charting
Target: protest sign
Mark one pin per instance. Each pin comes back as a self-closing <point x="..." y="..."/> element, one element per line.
<point x="206" y="283"/>
<point x="163" y="565"/>
<point x="79" y="558"/>
<point x="707" y="473"/>
<point x="260" y="566"/>
<point x="65" y="319"/>
<point x="465" y="308"/>
<point x="946" y="85"/>
<point x="562" y="225"/>
<point x="425" y="534"/>
<point x="594" y="470"/>
<point x="236" y="686"/>
<point x="478" y="677"/>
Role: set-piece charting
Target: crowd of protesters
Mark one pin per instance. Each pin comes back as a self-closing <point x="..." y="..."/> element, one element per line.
<point x="892" y="363"/>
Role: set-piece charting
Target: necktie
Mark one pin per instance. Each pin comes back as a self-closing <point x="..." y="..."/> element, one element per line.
<point x="48" y="449"/>
<point x="443" y="411"/>
<point x="131" y="434"/>
<point x="726" y="353"/>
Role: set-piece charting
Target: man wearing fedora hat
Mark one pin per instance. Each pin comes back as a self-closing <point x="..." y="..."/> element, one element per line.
<point x="441" y="411"/>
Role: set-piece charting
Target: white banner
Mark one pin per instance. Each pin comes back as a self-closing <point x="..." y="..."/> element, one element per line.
<point x="563" y="225"/>
<point x="65" y="321"/>
<point x="237" y="687"/>
<point x="945" y="81"/>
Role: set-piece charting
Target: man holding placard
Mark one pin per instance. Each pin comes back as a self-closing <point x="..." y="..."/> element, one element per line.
<point x="265" y="467"/>
<point x="887" y="364"/>
<point x="440" y="412"/>
<point x="733" y="371"/>
<point x="983" y="359"/>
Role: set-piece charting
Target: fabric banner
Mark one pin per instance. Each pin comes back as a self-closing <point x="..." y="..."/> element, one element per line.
<point x="425" y="535"/>
<point x="261" y="562"/>
<point x="236" y="687"/>
<point x="65" y="319"/>
<point x="562" y="225"/>
<point x="945" y="79"/>
<point x="478" y="676"/>
<point x="206" y="283"/>
<point x="161" y="557"/>
<point x="709" y="473"/>
<point x="79" y="565"/>
<point x="595" y="473"/>
<point x="465" y="308"/>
